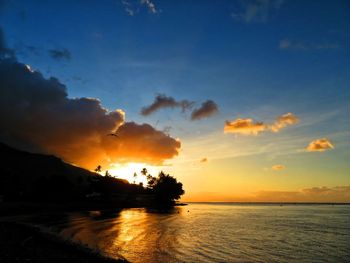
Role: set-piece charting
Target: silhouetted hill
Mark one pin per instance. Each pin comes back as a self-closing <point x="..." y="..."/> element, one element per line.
<point x="28" y="176"/>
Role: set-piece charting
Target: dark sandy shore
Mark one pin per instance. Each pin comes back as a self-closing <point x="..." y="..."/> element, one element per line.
<point x="24" y="243"/>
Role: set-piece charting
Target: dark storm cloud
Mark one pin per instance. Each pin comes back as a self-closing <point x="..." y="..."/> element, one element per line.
<point x="207" y="109"/>
<point x="59" y="54"/>
<point x="36" y="114"/>
<point x="162" y="101"/>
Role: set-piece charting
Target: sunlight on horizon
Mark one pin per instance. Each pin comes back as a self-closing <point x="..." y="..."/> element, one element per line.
<point x="127" y="170"/>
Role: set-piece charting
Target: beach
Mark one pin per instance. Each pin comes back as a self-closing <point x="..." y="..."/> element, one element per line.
<point x="26" y="243"/>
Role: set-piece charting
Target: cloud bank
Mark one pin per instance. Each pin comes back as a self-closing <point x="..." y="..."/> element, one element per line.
<point x="207" y="109"/>
<point x="325" y="194"/>
<point x="36" y="114"/>
<point x="320" y="145"/>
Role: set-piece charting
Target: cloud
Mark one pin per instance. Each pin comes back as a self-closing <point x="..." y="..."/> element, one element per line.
<point x="204" y="160"/>
<point x="162" y="101"/>
<point x="314" y="194"/>
<point x="320" y="145"/>
<point x="278" y="167"/>
<point x="128" y="8"/>
<point x="244" y="126"/>
<point x="286" y="44"/>
<point x="340" y="194"/>
<point x="250" y="127"/>
<point x="5" y="52"/>
<point x="59" y="54"/>
<point x="207" y="109"/>
<point x="133" y="7"/>
<point x="256" y="10"/>
<point x="150" y="5"/>
<point x="141" y="143"/>
<point x="283" y="121"/>
<point x="36" y="114"/>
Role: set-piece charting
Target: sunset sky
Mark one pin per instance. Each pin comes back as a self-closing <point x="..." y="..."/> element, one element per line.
<point x="239" y="100"/>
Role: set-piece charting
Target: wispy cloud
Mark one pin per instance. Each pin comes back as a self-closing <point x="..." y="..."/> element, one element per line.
<point x="5" y="52"/>
<point x="150" y="5"/>
<point x="204" y="160"/>
<point x="320" y="145"/>
<point x="256" y="10"/>
<point x="314" y="194"/>
<point x="134" y="7"/>
<point x="59" y="54"/>
<point x="287" y="44"/>
<point x="278" y="167"/>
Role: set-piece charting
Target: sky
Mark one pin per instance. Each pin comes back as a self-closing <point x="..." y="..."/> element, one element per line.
<point x="239" y="100"/>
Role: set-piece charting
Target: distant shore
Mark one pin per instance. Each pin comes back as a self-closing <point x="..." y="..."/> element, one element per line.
<point x="26" y="243"/>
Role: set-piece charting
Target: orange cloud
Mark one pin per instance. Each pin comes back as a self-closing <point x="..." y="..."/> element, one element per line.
<point x="283" y="121"/>
<point x="36" y="114"/>
<point x="278" y="167"/>
<point x="244" y="126"/>
<point x="140" y="143"/>
<point x="320" y="145"/>
<point x="249" y="127"/>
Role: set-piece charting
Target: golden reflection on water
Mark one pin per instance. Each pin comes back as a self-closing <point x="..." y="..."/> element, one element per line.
<point x="140" y="234"/>
<point x="215" y="233"/>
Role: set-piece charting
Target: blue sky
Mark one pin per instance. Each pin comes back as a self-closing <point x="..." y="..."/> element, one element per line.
<point x="255" y="59"/>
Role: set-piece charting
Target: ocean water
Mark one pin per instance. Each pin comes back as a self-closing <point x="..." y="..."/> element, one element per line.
<point x="202" y="232"/>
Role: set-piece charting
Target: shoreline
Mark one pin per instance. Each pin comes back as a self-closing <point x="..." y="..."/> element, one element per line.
<point x="27" y="208"/>
<point x="20" y="242"/>
<point x="28" y="242"/>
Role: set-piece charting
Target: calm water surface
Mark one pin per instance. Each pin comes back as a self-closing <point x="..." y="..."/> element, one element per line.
<point x="214" y="233"/>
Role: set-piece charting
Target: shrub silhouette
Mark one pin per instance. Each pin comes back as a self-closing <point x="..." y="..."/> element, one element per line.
<point x="165" y="188"/>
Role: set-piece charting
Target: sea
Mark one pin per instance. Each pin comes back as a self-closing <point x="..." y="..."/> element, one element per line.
<point x="212" y="232"/>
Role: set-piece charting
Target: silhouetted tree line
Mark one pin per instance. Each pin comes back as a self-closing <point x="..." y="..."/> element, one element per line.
<point x="35" y="177"/>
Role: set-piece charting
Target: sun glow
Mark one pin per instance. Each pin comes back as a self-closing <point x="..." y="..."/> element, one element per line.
<point x="127" y="171"/>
